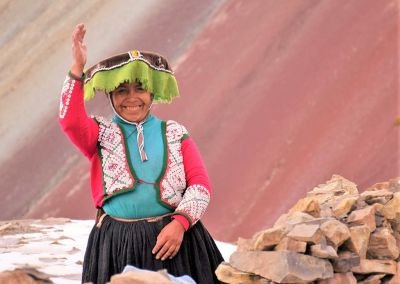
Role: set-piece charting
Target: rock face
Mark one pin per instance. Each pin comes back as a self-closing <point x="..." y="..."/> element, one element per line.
<point x="342" y="278"/>
<point x="291" y="245"/>
<point x="359" y="240"/>
<point x="368" y="266"/>
<point x="307" y="205"/>
<point x="26" y="275"/>
<point x="342" y="207"/>
<point x="309" y="233"/>
<point x="382" y="245"/>
<point x="323" y="251"/>
<point x="282" y="266"/>
<point x="333" y="235"/>
<point x="335" y="231"/>
<point x="365" y="216"/>
<point x="268" y="238"/>
<point x="345" y="262"/>
<point x="148" y="277"/>
<point x="232" y="275"/>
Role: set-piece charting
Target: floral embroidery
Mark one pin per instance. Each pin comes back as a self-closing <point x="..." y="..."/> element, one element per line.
<point x="116" y="173"/>
<point x="174" y="182"/>
<point x="66" y="92"/>
<point x="117" y="176"/>
<point x="194" y="202"/>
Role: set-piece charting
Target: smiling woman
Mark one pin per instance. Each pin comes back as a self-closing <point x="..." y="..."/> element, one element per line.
<point x="148" y="180"/>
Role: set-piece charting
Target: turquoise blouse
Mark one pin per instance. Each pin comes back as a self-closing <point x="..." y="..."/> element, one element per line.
<point x="142" y="202"/>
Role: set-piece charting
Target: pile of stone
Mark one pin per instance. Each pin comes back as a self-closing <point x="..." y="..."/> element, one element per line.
<point x="24" y="275"/>
<point x="333" y="235"/>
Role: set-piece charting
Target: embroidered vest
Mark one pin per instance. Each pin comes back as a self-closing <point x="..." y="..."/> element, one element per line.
<point x="119" y="174"/>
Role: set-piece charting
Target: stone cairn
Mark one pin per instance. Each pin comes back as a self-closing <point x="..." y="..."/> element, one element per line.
<point x="333" y="235"/>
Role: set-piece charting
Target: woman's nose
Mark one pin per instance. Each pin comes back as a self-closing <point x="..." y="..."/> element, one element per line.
<point x="132" y="91"/>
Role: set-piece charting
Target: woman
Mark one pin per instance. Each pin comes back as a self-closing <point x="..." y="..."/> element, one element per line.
<point x="147" y="177"/>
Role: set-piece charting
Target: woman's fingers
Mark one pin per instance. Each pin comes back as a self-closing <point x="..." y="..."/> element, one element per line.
<point x="78" y="34"/>
<point x="166" y="248"/>
<point x="159" y="244"/>
<point x="168" y="253"/>
<point x="81" y="33"/>
<point x="175" y="252"/>
<point x="161" y="253"/>
<point x="78" y="49"/>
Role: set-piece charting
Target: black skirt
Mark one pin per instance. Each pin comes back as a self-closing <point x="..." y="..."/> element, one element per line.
<point x="116" y="244"/>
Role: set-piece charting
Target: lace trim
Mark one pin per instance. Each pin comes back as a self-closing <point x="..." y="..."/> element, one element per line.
<point x="66" y="92"/>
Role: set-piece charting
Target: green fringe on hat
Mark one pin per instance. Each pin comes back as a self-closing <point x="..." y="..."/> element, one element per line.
<point x="161" y="84"/>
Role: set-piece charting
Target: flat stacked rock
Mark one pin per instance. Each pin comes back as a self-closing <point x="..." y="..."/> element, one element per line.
<point x="333" y="235"/>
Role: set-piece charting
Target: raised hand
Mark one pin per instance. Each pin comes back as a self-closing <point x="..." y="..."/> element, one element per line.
<point x="78" y="50"/>
<point x="169" y="240"/>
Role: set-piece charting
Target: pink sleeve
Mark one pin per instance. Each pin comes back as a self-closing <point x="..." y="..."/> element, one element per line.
<point x="181" y="219"/>
<point x="195" y="169"/>
<point x="197" y="184"/>
<point x="82" y="130"/>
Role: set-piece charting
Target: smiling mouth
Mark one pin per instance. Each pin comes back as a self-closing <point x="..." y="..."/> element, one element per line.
<point x="132" y="108"/>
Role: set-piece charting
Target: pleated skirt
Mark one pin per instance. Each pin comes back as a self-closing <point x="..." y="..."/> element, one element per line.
<point x="116" y="244"/>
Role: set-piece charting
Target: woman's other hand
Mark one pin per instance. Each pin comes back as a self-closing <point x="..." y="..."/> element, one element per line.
<point x="78" y="50"/>
<point x="169" y="240"/>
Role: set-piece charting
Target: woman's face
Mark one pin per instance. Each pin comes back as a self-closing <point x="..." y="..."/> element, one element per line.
<point x="131" y="101"/>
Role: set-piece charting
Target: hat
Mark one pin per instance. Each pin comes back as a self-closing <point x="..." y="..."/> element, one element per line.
<point x="150" y="69"/>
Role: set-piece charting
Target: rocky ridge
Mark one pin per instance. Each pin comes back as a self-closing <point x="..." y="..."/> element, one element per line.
<point x="333" y="235"/>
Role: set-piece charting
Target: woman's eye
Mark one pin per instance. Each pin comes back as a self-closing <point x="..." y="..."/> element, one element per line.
<point x="121" y="91"/>
<point x="139" y="88"/>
